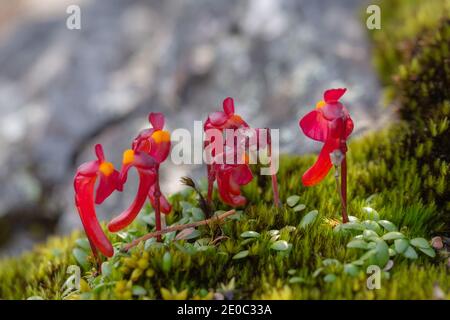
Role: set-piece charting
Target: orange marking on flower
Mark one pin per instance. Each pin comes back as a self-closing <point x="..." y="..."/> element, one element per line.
<point x="321" y="104"/>
<point x="236" y="118"/>
<point x="128" y="156"/>
<point x="161" y="136"/>
<point x="107" y="168"/>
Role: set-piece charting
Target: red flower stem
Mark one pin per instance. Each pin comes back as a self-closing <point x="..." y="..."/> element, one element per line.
<point x="157" y="195"/>
<point x="276" y="195"/>
<point x="344" y="189"/>
<point x="177" y="228"/>
<point x="211" y="179"/>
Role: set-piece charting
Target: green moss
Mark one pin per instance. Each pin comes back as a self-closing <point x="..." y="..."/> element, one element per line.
<point x="401" y="172"/>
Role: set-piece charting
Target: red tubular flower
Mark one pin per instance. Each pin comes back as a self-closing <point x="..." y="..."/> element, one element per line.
<point x="84" y="185"/>
<point x="229" y="120"/>
<point x="146" y="167"/>
<point x="149" y="149"/>
<point x="330" y="123"/>
<point x="221" y="120"/>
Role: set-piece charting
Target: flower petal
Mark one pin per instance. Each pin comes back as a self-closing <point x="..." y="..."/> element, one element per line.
<point x="322" y="166"/>
<point x="314" y="125"/>
<point x="157" y="120"/>
<point x="333" y="95"/>
<point x="242" y="174"/>
<point x="228" y="106"/>
<point x="107" y="185"/>
<point x="217" y="118"/>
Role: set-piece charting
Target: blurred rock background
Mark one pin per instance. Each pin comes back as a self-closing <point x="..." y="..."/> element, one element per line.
<point x="62" y="91"/>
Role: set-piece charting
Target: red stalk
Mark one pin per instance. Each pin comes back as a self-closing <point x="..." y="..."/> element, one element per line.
<point x="157" y="195"/>
<point x="276" y="196"/>
<point x="210" y="184"/>
<point x="344" y="189"/>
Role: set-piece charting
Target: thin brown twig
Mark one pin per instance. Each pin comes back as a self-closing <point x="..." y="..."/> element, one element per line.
<point x="177" y="228"/>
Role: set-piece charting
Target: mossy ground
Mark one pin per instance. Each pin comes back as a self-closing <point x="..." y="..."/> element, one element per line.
<point x="402" y="172"/>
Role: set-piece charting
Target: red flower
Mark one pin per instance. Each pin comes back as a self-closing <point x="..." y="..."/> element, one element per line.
<point x="330" y="123"/>
<point x="149" y="149"/>
<point x="154" y="141"/>
<point x="226" y="181"/>
<point x="84" y="185"/>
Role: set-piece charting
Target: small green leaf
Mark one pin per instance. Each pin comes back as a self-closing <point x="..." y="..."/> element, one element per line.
<point x="167" y="262"/>
<point x="296" y="280"/>
<point x="393" y="235"/>
<point x="369" y="254"/>
<point x="292" y="200"/>
<point x="420" y="243"/>
<point x="299" y="208"/>
<point x="247" y="241"/>
<point x="389" y="226"/>
<point x="382" y="253"/>
<point x="371" y="213"/>
<point x="370" y="235"/>
<point x="401" y="245"/>
<point x="83" y="243"/>
<point x="372" y="225"/>
<point x="353" y="226"/>
<point x="240" y="255"/>
<point x="351" y="269"/>
<point x="138" y="290"/>
<point x="392" y="252"/>
<point x="198" y="214"/>
<point x="81" y="257"/>
<point x="106" y="269"/>
<point x="317" y="272"/>
<point x="330" y="262"/>
<point x="308" y="219"/>
<point x="330" y="277"/>
<point x="429" y="252"/>
<point x="357" y="243"/>
<point x="358" y="262"/>
<point x="280" y="245"/>
<point x="250" y="234"/>
<point x="372" y="244"/>
<point x="410" y="253"/>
